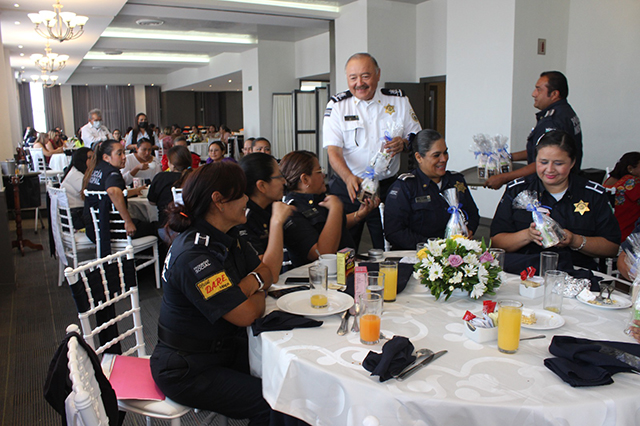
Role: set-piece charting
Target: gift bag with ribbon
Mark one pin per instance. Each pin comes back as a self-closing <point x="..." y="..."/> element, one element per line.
<point x="457" y="223"/>
<point x="552" y="232"/>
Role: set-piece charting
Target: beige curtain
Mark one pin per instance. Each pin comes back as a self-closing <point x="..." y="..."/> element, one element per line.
<point x="152" y="97"/>
<point x="26" y="113"/>
<point x="53" y="109"/>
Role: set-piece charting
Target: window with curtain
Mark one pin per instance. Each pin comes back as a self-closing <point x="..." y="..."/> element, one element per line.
<point x="53" y="108"/>
<point x="117" y="104"/>
<point x="282" y="142"/>
<point x="26" y="113"/>
<point x="152" y="98"/>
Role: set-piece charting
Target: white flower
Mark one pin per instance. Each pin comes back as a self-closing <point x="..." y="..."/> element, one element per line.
<point x="502" y="276"/>
<point x="417" y="275"/>
<point x="471" y="259"/>
<point x="469" y="270"/>
<point x="483" y="275"/>
<point x="456" y="278"/>
<point x="451" y="288"/>
<point x="435" y="248"/>
<point x="472" y="245"/>
<point x="435" y="272"/>
<point x="478" y="290"/>
<point x="428" y="261"/>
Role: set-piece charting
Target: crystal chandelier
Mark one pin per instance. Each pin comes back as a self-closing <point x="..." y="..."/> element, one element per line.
<point x="47" y="80"/>
<point x="49" y="62"/>
<point x="58" y="25"/>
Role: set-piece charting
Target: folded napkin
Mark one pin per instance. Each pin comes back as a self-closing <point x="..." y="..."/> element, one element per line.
<point x="396" y="356"/>
<point x="405" y="270"/>
<point x="278" y="321"/>
<point x="584" y="362"/>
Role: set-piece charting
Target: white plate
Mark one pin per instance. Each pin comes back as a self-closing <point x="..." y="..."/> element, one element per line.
<point x="620" y="302"/>
<point x="300" y="303"/>
<point x="546" y="320"/>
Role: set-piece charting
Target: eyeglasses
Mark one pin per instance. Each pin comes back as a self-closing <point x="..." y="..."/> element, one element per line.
<point x="319" y="171"/>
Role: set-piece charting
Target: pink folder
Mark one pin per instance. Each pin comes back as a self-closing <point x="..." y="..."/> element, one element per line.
<point x="131" y="379"/>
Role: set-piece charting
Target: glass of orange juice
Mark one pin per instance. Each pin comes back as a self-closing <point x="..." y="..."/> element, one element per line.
<point x="509" y="320"/>
<point x="318" y="281"/>
<point x="390" y="270"/>
<point x="370" y="313"/>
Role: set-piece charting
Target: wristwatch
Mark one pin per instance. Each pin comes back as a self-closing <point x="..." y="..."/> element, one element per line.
<point x="259" y="279"/>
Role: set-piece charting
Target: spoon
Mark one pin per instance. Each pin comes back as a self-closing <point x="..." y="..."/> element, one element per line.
<point x="342" y="330"/>
<point x="354" y="311"/>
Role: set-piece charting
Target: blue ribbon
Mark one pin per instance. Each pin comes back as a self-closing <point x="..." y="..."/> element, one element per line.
<point x="369" y="173"/>
<point x="457" y="208"/>
<point x="533" y="208"/>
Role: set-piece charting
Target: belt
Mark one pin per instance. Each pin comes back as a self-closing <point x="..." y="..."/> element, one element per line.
<point x="184" y="343"/>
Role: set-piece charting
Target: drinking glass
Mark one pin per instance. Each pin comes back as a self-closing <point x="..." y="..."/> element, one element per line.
<point x="318" y="282"/>
<point x="498" y="254"/>
<point x="509" y="321"/>
<point x="390" y="270"/>
<point x="420" y="246"/>
<point x="548" y="262"/>
<point x="375" y="283"/>
<point x="553" y="290"/>
<point x="370" y="313"/>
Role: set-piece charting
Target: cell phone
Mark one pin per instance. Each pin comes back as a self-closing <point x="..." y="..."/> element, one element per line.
<point x="296" y="280"/>
<point x="276" y="294"/>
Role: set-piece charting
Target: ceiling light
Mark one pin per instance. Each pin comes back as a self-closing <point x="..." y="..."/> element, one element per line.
<point x="20" y="46"/>
<point x="150" y="22"/>
<point x="17" y="22"/>
<point x="230" y="81"/>
<point x="16" y="5"/>
<point x="179" y="36"/>
<point x="49" y="62"/>
<point x="148" y="57"/>
<point x="128" y="84"/>
<point x="291" y="4"/>
<point x="22" y="54"/>
<point x="21" y="68"/>
<point x="47" y="81"/>
<point x="152" y="84"/>
<point x="58" y="25"/>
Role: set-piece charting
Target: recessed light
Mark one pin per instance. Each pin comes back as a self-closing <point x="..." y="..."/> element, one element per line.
<point x="150" y="22"/>
<point x="179" y="36"/>
<point x="230" y="81"/>
<point x="20" y="46"/>
<point x="24" y="79"/>
<point x="148" y="57"/>
<point x="22" y="54"/>
<point x="291" y="4"/>
<point x="16" y="5"/>
<point x="17" y="22"/>
<point x="192" y="90"/>
<point x="21" y="68"/>
<point x="128" y="84"/>
<point x="209" y="85"/>
<point x="152" y="84"/>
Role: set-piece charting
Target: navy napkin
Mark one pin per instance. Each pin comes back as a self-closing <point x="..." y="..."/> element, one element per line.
<point x="396" y="356"/>
<point x="278" y="321"/>
<point x="580" y="362"/>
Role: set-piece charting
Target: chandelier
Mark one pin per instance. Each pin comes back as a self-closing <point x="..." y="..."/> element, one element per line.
<point x="46" y="80"/>
<point x="50" y="62"/>
<point x="58" y="25"/>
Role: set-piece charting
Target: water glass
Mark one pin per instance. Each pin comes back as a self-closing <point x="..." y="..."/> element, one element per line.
<point x="548" y="262"/>
<point x="499" y="255"/>
<point x="420" y="246"/>
<point x="390" y="270"/>
<point x="375" y="283"/>
<point x="370" y="315"/>
<point x="318" y="281"/>
<point x="554" y="290"/>
<point x="509" y="321"/>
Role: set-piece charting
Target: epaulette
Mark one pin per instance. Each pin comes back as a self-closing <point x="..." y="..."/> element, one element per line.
<point x="550" y="113"/>
<point x="341" y="96"/>
<point x="406" y="176"/>
<point x="515" y="182"/>
<point x="201" y="240"/>
<point x="595" y="187"/>
<point x="393" y="92"/>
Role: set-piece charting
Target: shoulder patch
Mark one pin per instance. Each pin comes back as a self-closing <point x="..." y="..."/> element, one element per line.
<point x="406" y="176"/>
<point x="213" y="285"/>
<point x="202" y="266"/>
<point x="596" y="187"/>
<point x="341" y="96"/>
<point x="327" y="112"/>
<point x="393" y="92"/>
<point x="515" y="182"/>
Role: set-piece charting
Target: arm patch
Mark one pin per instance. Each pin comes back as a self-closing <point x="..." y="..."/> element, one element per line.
<point x="213" y="285"/>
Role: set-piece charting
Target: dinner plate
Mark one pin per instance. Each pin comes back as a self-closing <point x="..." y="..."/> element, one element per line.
<point x="546" y="320"/>
<point x="300" y="303"/>
<point x="619" y="302"/>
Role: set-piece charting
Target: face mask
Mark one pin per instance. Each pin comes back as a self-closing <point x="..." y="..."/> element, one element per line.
<point x="97" y="124"/>
<point x="143" y="124"/>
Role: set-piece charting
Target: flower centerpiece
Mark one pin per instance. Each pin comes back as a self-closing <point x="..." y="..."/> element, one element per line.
<point x="458" y="263"/>
<point x="194" y="138"/>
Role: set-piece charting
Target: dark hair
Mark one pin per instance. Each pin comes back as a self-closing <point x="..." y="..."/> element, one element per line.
<point x="225" y="128"/>
<point x="220" y="144"/>
<point x="180" y="157"/>
<point x="257" y="166"/>
<point x="224" y="177"/>
<point x="140" y="114"/>
<point x="559" y="138"/>
<point x="143" y="140"/>
<point x="630" y="159"/>
<point x="78" y="160"/>
<point x="556" y="81"/>
<point x="424" y="140"/>
<point x="256" y="140"/>
<point x="99" y="150"/>
<point x="362" y="55"/>
<point x="294" y="165"/>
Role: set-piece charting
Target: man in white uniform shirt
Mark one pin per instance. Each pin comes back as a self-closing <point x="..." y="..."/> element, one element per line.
<point x="354" y="127"/>
<point x="94" y="131"/>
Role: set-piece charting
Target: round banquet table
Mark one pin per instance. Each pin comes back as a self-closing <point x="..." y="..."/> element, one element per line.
<point x="58" y="162"/>
<point x="200" y="148"/>
<point x="317" y="376"/>
<point x="140" y="208"/>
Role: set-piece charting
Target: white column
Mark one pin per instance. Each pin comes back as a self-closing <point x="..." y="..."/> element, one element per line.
<point x="9" y="112"/>
<point x="67" y="110"/>
<point x="140" y="98"/>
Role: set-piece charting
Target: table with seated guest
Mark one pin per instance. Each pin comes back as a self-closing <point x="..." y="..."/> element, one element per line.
<point x="55" y="144"/>
<point x="319" y="225"/>
<point x="578" y="205"/>
<point x="181" y="141"/>
<point x="72" y="183"/>
<point x="415" y="209"/>
<point x="141" y="164"/>
<point x="42" y="142"/>
<point x="625" y="179"/>
<point x="166" y="140"/>
<point x="212" y="134"/>
<point x="217" y="151"/>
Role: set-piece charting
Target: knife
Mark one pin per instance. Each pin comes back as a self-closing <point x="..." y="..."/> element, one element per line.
<point x="421" y="364"/>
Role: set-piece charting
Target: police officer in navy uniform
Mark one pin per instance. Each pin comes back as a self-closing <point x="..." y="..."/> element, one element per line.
<point x="354" y="128"/>
<point x="580" y="206"/>
<point x="415" y="209"/>
<point x="550" y="97"/>
<point x="214" y="287"/>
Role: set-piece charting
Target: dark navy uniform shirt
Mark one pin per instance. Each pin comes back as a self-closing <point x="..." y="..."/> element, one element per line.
<point x="256" y="229"/>
<point x="200" y="279"/>
<point x="557" y="116"/>
<point x="103" y="177"/>
<point x="415" y="209"/>
<point x="583" y="210"/>
<point x="160" y="193"/>
<point x="303" y="228"/>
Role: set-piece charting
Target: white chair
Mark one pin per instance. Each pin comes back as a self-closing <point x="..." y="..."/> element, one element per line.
<point x="129" y="306"/>
<point x="38" y="165"/>
<point x="116" y="226"/>
<point x="177" y="196"/>
<point x="68" y="242"/>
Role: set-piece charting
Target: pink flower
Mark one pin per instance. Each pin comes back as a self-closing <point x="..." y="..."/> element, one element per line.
<point x="455" y="260"/>
<point x="486" y="257"/>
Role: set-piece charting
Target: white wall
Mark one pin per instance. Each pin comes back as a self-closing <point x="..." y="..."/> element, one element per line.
<point x="250" y="99"/>
<point x="219" y="65"/>
<point x="9" y="113"/>
<point x="431" y="38"/>
<point x="603" y="59"/>
<point x="116" y="79"/>
<point x="312" y="56"/>
<point x="351" y="32"/>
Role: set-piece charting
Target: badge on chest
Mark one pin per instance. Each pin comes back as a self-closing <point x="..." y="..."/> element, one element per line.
<point x="423" y="199"/>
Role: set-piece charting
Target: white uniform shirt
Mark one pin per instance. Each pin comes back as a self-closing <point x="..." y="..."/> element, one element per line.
<point x="73" y="184"/>
<point x="141" y="134"/>
<point x="357" y="126"/>
<point x="154" y="168"/>
<point x="91" y="135"/>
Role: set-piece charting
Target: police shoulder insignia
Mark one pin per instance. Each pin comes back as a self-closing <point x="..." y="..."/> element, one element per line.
<point x="406" y="176"/>
<point x="515" y="182"/>
<point x="392" y="92"/>
<point x="341" y="96"/>
<point x="596" y="187"/>
<point x="213" y="285"/>
<point x="581" y="207"/>
<point x="327" y="112"/>
<point x="550" y="113"/>
<point x="414" y="117"/>
<point x="460" y="186"/>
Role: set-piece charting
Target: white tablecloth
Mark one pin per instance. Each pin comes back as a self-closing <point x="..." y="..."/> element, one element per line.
<point x="140" y="208"/>
<point x="316" y="375"/>
<point x="200" y="148"/>
<point x="59" y="161"/>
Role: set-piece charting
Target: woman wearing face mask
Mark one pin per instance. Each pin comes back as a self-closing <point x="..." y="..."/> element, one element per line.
<point x="141" y="164"/>
<point x="139" y="131"/>
<point x="415" y="209"/>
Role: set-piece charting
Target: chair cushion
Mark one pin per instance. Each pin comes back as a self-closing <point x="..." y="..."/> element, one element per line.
<point x="137" y="243"/>
<point x="168" y="409"/>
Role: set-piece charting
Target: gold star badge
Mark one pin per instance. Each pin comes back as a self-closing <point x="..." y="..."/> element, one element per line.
<point x="310" y="201"/>
<point x="581" y="208"/>
<point x="389" y="109"/>
<point x="460" y="187"/>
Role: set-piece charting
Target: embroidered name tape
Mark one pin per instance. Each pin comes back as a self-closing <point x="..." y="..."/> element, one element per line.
<point x="213" y="285"/>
